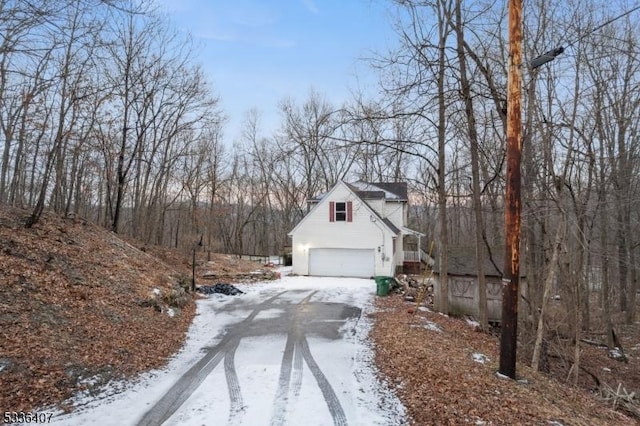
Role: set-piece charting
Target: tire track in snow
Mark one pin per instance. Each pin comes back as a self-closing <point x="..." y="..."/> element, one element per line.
<point x="235" y="396"/>
<point x="189" y="381"/>
<point x="282" y="394"/>
<point x="296" y="351"/>
<point x="181" y="390"/>
<point x="330" y="397"/>
<point x="296" y="383"/>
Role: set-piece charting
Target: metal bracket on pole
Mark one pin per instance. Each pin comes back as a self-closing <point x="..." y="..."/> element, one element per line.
<point x="545" y="57"/>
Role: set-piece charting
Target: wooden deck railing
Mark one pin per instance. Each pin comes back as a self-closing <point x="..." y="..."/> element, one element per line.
<point x="411" y="256"/>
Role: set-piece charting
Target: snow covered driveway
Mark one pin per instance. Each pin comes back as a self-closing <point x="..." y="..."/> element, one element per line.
<point x="292" y="352"/>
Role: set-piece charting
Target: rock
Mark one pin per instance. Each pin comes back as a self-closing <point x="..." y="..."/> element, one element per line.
<point x="617" y="354"/>
<point x="221" y="288"/>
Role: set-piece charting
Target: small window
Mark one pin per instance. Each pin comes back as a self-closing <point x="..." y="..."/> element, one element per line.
<point x="341" y="212"/>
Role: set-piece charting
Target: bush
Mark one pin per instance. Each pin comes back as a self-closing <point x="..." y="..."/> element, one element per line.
<point x="177" y="297"/>
<point x="184" y="282"/>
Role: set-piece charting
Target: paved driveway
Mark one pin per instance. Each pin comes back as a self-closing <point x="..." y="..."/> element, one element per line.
<point x="289" y="352"/>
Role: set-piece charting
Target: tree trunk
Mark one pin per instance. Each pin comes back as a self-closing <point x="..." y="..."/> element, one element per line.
<point x="622" y="260"/>
<point x="548" y="283"/>
<point x="443" y="303"/>
<point x="475" y="170"/>
<point x="606" y="292"/>
<point x="631" y="312"/>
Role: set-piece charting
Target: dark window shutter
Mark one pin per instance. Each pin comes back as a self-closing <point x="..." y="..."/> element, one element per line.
<point x="332" y="211"/>
<point x="349" y="211"/>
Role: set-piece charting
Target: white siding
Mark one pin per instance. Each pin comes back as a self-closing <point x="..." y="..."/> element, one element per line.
<point x="399" y="256"/>
<point x="362" y="233"/>
<point x="395" y="213"/>
<point x="377" y="206"/>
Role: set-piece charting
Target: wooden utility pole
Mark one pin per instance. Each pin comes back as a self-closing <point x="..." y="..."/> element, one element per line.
<point x="511" y="278"/>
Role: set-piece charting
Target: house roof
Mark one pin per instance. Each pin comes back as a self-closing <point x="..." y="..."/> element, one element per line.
<point x="318" y="200"/>
<point x="463" y="261"/>
<point x="409" y="231"/>
<point x="370" y="195"/>
<point x="392" y="190"/>
<point x="398" y="188"/>
<point x="365" y="195"/>
<point x="391" y="225"/>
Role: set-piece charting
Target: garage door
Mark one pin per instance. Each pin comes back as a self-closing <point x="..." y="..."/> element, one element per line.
<point x="330" y="262"/>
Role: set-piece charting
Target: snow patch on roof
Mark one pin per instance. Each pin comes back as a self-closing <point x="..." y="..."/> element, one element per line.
<point x="370" y="187"/>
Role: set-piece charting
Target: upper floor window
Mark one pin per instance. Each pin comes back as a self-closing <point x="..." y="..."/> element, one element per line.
<point x="340" y="211"/>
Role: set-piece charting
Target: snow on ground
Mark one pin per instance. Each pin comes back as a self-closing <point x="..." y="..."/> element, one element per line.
<point x="347" y="364"/>
<point x="473" y="323"/>
<point x="480" y="358"/>
<point x="429" y="326"/>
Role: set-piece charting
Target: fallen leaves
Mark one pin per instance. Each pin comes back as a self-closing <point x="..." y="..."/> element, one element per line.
<point x="440" y="383"/>
<point x="69" y="311"/>
<point x="73" y="315"/>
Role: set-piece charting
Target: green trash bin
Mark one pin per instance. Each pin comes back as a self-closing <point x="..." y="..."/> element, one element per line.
<point x="382" y="285"/>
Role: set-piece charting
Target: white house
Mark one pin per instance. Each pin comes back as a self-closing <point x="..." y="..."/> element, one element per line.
<point x="354" y="230"/>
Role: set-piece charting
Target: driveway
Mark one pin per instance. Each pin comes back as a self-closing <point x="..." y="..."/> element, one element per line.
<point x="289" y="352"/>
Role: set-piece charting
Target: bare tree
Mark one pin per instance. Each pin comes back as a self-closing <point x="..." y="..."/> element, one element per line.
<point x="79" y="31"/>
<point x="24" y="53"/>
<point x="475" y="166"/>
<point x="308" y="129"/>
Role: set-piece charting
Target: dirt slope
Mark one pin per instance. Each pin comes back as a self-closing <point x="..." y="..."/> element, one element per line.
<point x="78" y="307"/>
<point x="444" y="372"/>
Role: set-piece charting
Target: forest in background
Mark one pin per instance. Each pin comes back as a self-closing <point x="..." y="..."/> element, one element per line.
<point x="106" y="114"/>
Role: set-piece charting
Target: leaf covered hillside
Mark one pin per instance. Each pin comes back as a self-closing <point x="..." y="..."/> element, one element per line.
<point x="78" y="307"/>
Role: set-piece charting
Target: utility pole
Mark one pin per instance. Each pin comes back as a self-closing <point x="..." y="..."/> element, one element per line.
<point x="513" y="207"/>
<point x="511" y="278"/>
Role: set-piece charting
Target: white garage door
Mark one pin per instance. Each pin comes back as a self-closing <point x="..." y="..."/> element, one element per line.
<point x="332" y="262"/>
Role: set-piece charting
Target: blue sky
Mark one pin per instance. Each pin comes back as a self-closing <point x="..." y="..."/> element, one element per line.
<point x="256" y="53"/>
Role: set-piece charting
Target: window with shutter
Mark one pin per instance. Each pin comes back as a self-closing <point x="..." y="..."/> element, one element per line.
<point x="341" y="212"/>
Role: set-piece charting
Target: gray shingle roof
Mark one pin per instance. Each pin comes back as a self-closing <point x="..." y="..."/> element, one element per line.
<point x="391" y="226"/>
<point x="369" y="195"/>
<point x="398" y="188"/>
